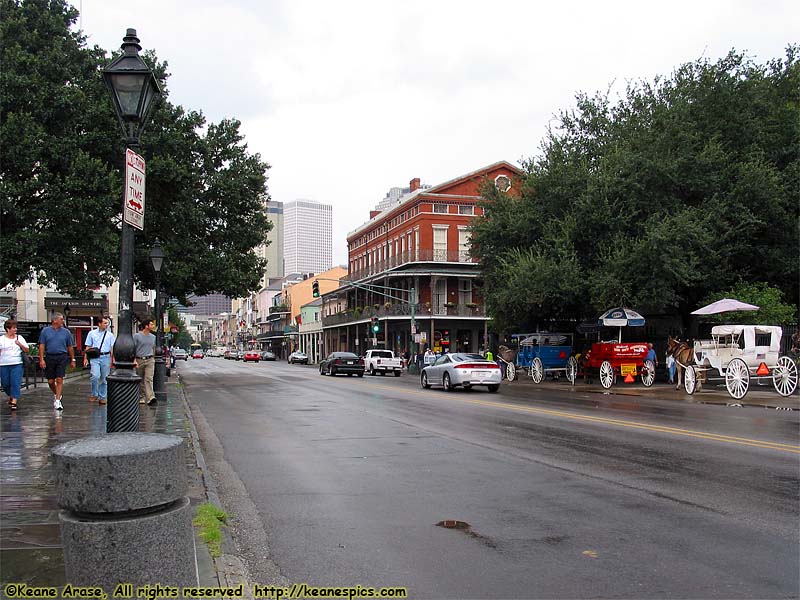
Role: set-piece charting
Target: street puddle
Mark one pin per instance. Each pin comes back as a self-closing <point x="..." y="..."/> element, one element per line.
<point x="466" y="528"/>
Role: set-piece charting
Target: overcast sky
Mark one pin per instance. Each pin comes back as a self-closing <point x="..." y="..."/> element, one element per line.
<point x="347" y="99"/>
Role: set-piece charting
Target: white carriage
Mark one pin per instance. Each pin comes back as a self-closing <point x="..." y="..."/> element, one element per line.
<point x="740" y="353"/>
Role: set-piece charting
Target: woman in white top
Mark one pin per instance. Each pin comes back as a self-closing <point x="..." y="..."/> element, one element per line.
<point x="11" y="348"/>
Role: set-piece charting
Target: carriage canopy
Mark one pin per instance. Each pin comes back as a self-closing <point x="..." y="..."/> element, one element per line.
<point x="750" y="332"/>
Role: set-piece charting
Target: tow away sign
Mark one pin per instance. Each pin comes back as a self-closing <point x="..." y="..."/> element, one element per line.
<point x="134" y="190"/>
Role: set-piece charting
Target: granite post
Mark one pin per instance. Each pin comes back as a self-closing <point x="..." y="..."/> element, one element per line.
<point x="125" y="515"/>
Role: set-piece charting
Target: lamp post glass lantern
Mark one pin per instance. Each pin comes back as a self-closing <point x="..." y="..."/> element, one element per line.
<point x="133" y="87"/>
<point x="160" y="368"/>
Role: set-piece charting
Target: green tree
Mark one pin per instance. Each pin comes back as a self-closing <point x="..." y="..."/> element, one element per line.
<point x="61" y="177"/>
<point x="685" y="186"/>
<point x="772" y="309"/>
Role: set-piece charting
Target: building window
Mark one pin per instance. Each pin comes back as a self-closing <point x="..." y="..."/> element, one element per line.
<point x="440" y="242"/>
<point x="440" y="297"/>
<point x="465" y="210"/>
<point x="465" y="291"/>
<point x="440" y="208"/>
<point x="464" y="237"/>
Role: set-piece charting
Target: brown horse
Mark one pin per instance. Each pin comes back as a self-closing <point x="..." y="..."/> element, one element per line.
<point x="683" y="355"/>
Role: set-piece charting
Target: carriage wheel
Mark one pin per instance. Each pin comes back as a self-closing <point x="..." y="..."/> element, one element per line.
<point x="537" y="370"/>
<point x="784" y="376"/>
<point x="737" y="378"/>
<point x="572" y="369"/>
<point x="648" y="373"/>
<point x="511" y="372"/>
<point x="690" y="380"/>
<point x="606" y="374"/>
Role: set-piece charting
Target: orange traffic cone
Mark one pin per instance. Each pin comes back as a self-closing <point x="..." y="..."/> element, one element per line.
<point x="628" y="378"/>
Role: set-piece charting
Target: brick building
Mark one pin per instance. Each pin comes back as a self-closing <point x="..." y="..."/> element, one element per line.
<point x="420" y="249"/>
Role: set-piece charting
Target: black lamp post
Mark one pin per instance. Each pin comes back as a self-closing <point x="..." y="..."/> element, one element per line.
<point x="67" y="310"/>
<point x="160" y="367"/>
<point x="133" y="88"/>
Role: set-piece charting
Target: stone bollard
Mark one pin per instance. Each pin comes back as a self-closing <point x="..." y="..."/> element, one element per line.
<point x="125" y="517"/>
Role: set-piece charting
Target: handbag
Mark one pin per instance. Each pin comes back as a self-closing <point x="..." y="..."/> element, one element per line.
<point x="91" y="351"/>
<point x="27" y="359"/>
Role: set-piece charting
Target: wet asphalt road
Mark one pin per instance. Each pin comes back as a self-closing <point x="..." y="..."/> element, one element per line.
<point x="565" y="495"/>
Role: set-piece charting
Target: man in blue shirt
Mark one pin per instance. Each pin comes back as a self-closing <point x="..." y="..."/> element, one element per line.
<point x="56" y="350"/>
<point x="102" y="339"/>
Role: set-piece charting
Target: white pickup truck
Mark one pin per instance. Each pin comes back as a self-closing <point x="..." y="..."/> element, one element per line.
<point x="382" y="361"/>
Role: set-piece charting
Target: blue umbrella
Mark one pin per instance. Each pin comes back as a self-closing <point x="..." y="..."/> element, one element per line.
<point x="621" y="317"/>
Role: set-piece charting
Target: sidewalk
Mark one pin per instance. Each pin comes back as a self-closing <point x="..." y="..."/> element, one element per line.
<point x="758" y="396"/>
<point x="30" y="539"/>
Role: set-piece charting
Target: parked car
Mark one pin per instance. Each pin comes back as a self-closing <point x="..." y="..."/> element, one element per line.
<point x="267" y="355"/>
<point x="298" y="357"/>
<point x="342" y="362"/>
<point x="197" y="354"/>
<point x="229" y="354"/>
<point x="382" y="361"/>
<point x="466" y="370"/>
<point x="252" y="356"/>
<point x="240" y="355"/>
<point x="180" y="354"/>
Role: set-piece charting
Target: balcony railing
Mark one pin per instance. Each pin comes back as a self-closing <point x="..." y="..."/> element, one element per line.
<point x="393" y="310"/>
<point x="281" y="308"/>
<point x="451" y="256"/>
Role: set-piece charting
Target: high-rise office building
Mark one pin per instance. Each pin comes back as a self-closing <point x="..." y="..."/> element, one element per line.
<point x="212" y="304"/>
<point x="273" y="251"/>
<point x="307" y="236"/>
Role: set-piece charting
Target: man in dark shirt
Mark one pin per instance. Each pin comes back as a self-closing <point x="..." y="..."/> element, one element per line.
<point x="56" y="350"/>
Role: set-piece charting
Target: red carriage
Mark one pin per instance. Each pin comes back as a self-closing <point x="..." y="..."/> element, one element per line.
<point x="612" y="359"/>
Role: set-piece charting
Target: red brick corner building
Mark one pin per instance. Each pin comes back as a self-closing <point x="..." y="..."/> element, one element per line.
<point x="419" y="247"/>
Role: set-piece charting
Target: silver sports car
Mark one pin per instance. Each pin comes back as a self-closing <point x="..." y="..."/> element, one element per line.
<point x="466" y="370"/>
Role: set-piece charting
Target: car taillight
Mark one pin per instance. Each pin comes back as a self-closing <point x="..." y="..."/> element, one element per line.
<point x="379" y="361"/>
<point x="478" y="366"/>
<point x="361" y="361"/>
<point x="337" y="362"/>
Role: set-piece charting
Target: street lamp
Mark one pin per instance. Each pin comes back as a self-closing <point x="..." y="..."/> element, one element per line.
<point x="133" y="88"/>
<point x="160" y="367"/>
<point x="67" y="310"/>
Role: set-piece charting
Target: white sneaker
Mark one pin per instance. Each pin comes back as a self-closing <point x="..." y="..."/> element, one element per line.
<point x="57" y="404"/>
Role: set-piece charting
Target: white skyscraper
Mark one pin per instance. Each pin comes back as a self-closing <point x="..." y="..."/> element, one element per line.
<point x="307" y="236"/>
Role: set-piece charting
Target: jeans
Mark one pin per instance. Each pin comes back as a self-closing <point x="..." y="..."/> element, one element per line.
<point x="100" y="368"/>
<point x="672" y="372"/>
<point x="11" y="378"/>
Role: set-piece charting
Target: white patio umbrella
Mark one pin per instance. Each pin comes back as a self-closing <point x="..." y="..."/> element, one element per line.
<point x="621" y="317"/>
<point x="724" y="305"/>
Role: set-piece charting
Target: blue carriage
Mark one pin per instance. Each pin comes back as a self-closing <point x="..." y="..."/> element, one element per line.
<point x="541" y="354"/>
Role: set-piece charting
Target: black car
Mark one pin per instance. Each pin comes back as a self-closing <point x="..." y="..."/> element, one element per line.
<point x="342" y="362"/>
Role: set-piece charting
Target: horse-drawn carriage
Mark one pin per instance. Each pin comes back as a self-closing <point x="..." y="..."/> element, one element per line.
<point x="541" y="354"/>
<point x="612" y="359"/>
<point x="738" y="353"/>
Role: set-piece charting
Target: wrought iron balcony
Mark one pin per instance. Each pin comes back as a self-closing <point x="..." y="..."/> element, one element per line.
<point x="402" y="309"/>
<point x="427" y="255"/>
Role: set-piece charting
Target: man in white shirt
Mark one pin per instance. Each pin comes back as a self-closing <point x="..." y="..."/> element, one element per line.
<point x="103" y="340"/>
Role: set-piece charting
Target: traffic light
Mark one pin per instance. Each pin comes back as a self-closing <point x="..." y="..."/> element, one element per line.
<point x="376" y="327"/>
<point x="315" y="289"/>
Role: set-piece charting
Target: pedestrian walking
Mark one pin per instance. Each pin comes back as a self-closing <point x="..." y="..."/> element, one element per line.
<point x="98" y="356"/>
<point x="145" y="362"/>
<point x="56" y="351"/>
<point x="651" y="354"/>
<point x="11" y="362"/>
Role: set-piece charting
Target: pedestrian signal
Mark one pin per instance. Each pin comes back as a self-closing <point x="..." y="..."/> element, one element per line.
<point x="315" y="289"/>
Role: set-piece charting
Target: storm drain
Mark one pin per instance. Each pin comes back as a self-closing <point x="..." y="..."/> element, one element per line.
<point x="466" y="528"/>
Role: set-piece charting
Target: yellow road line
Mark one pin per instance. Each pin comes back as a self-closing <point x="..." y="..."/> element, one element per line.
<point x="792" y="448"/>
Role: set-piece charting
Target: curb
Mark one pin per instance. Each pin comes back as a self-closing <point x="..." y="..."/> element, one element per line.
<point x="231" y="570"/>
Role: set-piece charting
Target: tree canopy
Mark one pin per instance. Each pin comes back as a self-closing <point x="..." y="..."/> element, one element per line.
<point x="683" y="187"/>
<point x="63" y="157"/>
